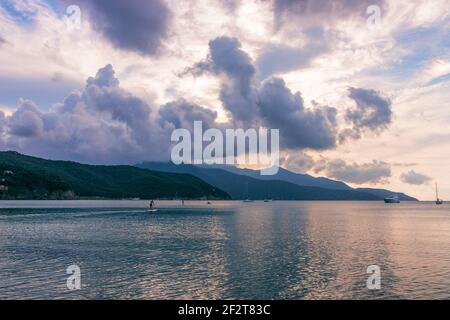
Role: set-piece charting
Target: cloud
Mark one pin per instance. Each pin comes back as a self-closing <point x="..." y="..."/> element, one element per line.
<point x="269" y="103"/>
<point x="311" y="12"/>
<point x="412" y="177"/>
<point x="375" y="172"/>
<point x="134" y="25"/>
<point x="26" y="121"/>
<point x="103" y="123"/>
<point x="182" y="114"/>
<point x="405" y="164"/>
<point x="282" y="58"/>
<point x="372" y="112"/>
<point x="348" y="134"/>
<point x="228" y="59"/>
<point x="299" y="127"/>
<point x="298" y="162"/>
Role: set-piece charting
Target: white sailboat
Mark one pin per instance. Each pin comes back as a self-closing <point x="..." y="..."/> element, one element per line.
<point x="268" y="199"/>
<point x="438" y="201"/>
<point x="247" y="199"/>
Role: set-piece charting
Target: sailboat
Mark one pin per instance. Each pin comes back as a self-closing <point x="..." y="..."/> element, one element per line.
<point x="268" y="199"/>
<point x="247" y="199"/>
<point x="438" y="201"/>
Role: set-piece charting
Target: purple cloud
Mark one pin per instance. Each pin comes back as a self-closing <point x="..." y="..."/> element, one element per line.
<point x="269" y="103"/>
<point x="313" y="12"/>
<point x="299" y="127"/>
<point x="134" y="25"/>
<point x="372" y="172"/>
<point x="101" y="124"/>
<point x="412" y="177"/>
<point x="227" y="58"/>
<point x="372" y="110"/>
<point x="26" y="121"/>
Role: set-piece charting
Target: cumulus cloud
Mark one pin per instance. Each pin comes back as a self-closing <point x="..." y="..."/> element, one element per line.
<point x="182" y="114"/>
<point x="269" y="103"/>
<point x="26" y="121"/>
<point x="228" y="59"/>
<point x="412" y="177"/>
<point x="135" y="25"/>
<point x="298" y="162"/>
<point x="103" y="123"/>
<point x="372" y="112"/>
<point x="299" y="127"/>
<point x="375" y="172"/>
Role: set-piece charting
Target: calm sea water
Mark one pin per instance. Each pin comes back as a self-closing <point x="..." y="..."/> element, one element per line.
<point x="227" y="250"/>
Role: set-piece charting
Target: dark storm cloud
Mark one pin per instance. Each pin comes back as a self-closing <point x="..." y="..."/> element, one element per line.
<point x="135" y="25"/>
<point x="412" y="177"/>
<point x="299" y="127"/>
<point x="373" y="172"/>
<point x="372" y="112"/>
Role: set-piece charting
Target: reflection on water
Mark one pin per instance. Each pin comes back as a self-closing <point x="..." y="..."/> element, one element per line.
<point x="278" y="250"/>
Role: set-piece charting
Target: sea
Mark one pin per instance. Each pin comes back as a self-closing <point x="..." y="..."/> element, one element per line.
<point x="224" y="250"/>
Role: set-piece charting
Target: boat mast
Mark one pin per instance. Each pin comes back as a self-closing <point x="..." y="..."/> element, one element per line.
<point x="246" y="189"/>
<point x="437" y="196"/>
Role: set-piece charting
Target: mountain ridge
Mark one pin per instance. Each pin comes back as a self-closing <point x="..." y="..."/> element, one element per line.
<point x="308" y="180"/>
<point x="234" y="184"/>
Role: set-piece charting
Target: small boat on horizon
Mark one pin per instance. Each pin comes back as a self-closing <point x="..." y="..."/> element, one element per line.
<point x="438" y="201"/>
<point x="268" y="200"/>
<point x="392" y="199"/>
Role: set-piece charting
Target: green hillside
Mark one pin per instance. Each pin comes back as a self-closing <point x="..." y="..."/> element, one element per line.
<point x="27" y="177"/>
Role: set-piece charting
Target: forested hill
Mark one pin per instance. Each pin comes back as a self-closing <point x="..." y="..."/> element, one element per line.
<point x="26" y="177"/>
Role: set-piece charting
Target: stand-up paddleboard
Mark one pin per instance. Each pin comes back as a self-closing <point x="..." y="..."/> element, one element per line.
<point x="151" y="207"/>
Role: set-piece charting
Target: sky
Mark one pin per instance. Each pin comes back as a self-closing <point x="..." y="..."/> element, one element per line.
<point x="359" y="89"/>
